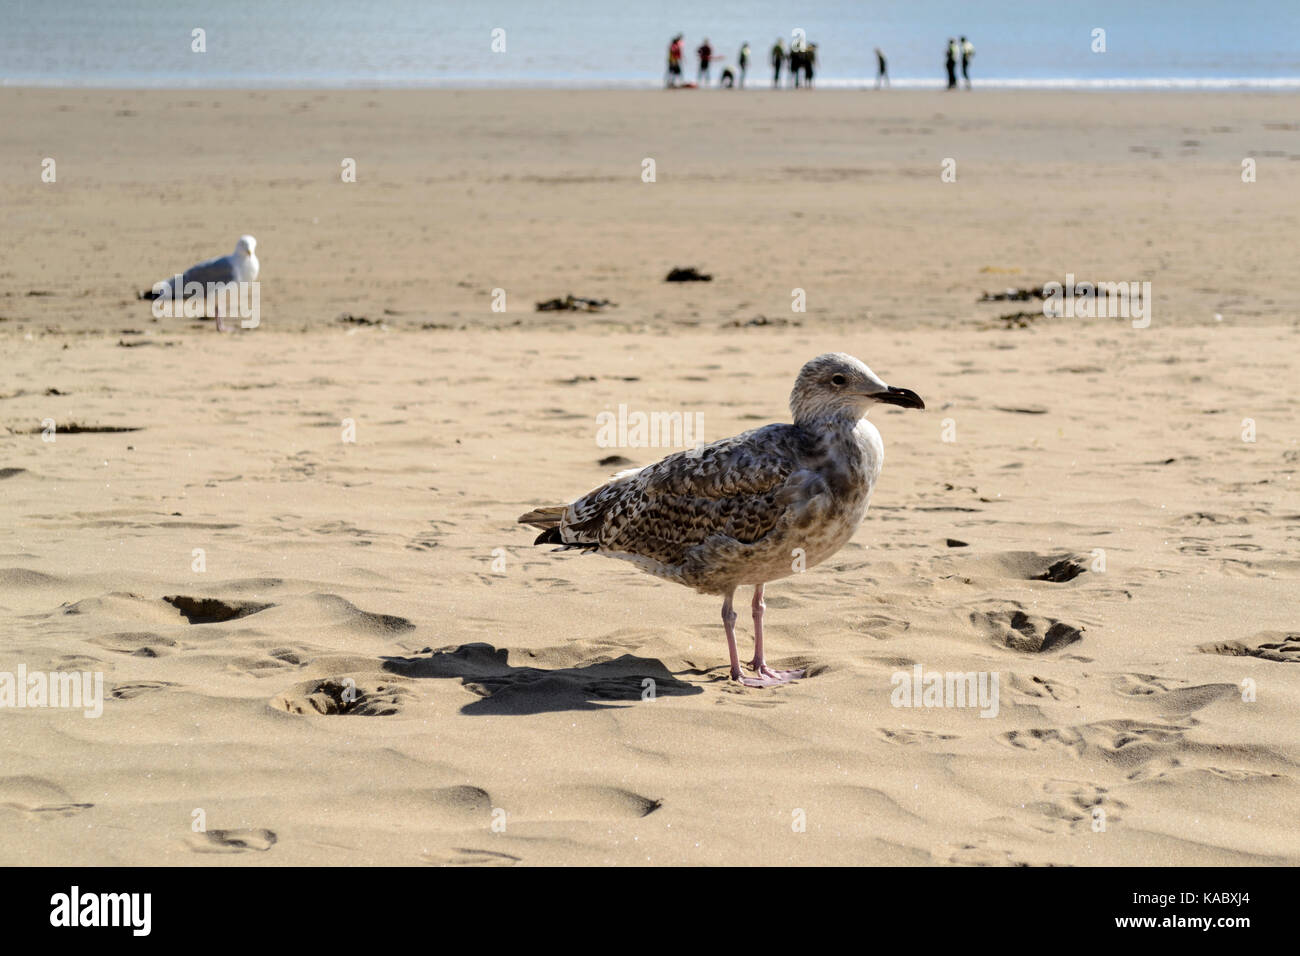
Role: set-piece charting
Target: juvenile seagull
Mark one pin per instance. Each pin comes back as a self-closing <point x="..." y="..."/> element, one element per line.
<point x="240" y="266"/>
<point x="749" y="509"/>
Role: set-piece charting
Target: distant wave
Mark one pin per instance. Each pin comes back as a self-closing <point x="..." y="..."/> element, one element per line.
<point x="1091" y="83"/>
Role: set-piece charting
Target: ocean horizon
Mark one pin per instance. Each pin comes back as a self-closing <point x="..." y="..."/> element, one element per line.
<point x="143" y="44"/>
<point x="271" y="82"/>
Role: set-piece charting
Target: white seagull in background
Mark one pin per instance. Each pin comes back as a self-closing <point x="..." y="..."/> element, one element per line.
<point x="745" y="510"/>
<point x="240" y="266"/>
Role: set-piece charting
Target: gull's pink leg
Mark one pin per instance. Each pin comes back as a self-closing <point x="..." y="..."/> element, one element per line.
<point x="759" y="663"/>
<point x="729" y="625"/>
<point x="766" y="677"/>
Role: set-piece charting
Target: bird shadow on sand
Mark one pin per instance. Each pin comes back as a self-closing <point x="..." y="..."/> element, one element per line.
<point x="508" y="690"/>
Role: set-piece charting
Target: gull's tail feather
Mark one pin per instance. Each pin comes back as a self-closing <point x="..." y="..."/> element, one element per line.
<point x="550" y="536"/>
<point x="547" y="518"/>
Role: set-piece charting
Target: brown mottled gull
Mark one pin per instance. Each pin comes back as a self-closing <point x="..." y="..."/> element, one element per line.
<point x="749" y="509"/>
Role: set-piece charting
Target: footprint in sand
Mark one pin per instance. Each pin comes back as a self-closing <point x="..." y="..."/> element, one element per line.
<point x="909" y="738"/>
<point x="1035" y="738"/>
<point x="277" y="659"/>
<point x="1140" y="685"/>
<point x="80" y="662"/>
<point x="138" y="688"/>
<point x="1066" y="569"/>
<point x="1169" y="699"/>
<point x="38" y="796"/>
<point x="361" y="696"/>
<point x="1280" y="646"/>
<point x="1027" y="633"/>
<point x="1205" y="517"/>
<point x="1170" y="768"/>
<point x="1122" y="742"/>
<point x="288" y="655"/>
<point x="1083" y="795"/>
<point x="1185" y="700"/>
<point x="1065" y="817"/>
<point x="970" y="854"/>
<point x="232" y="841"/>
<point x="213" y="610"/>
<point x="1031" y="685"/>
<point x="463" y="856"/>
<point x="462" y="800"/>
<point x="555" y="584"/>
<point x="1074" y="807"/>
<point x="137" y="643"/>
<point x="878" y="626"/>
<point x="1021" y="565"/>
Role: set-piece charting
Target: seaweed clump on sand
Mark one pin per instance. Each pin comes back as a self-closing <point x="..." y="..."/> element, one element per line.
<point x="574" y="303"/>
<point x="688" y="274"/>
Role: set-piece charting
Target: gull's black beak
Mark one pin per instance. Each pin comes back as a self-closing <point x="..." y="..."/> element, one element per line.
<point x="903" y="397"/>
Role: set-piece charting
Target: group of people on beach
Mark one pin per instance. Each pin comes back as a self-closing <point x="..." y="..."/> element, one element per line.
<point x="801" y="60"/>
<point x="958" y="51"/>
<point x="964" y="52"/>
<point x="800" y="63"/>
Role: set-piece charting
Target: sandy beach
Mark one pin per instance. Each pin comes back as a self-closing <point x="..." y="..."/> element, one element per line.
<point x="292" y="551"/>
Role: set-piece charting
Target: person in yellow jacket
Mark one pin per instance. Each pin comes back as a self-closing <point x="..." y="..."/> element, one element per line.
<point x="967" y="53"/>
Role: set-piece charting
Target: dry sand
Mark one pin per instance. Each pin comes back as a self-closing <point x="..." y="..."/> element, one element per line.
<point x="500" y="716"/>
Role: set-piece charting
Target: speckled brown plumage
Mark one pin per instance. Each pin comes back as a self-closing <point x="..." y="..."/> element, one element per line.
<point x="748" y="509"/>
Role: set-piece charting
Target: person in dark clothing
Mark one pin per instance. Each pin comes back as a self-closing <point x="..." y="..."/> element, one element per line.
<point x="796" y="64"/>
<point x="809" y="62"/>
<point x="882" y="69"/>
<point x="950" y="62"/>
<point x="778" y="57"/>
<point x="705" y="53"/>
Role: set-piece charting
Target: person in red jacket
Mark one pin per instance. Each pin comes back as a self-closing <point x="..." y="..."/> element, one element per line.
<point x="674" y="62"/>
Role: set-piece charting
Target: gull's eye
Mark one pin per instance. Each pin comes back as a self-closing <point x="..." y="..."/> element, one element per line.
<point x="838" y="379"/>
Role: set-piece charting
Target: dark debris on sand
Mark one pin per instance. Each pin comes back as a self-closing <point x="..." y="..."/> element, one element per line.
<point x="1019" y="320"/>
<point x="1014" y="295"/>
<point x="687" y="274"/>
<point x="760" y="321"/>
<point x="574" y="303"/>
<point x="73" y="428"/>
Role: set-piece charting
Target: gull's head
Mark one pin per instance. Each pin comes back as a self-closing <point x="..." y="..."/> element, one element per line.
<point x="838" y="386"/>
<point x="245" y="246"/>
